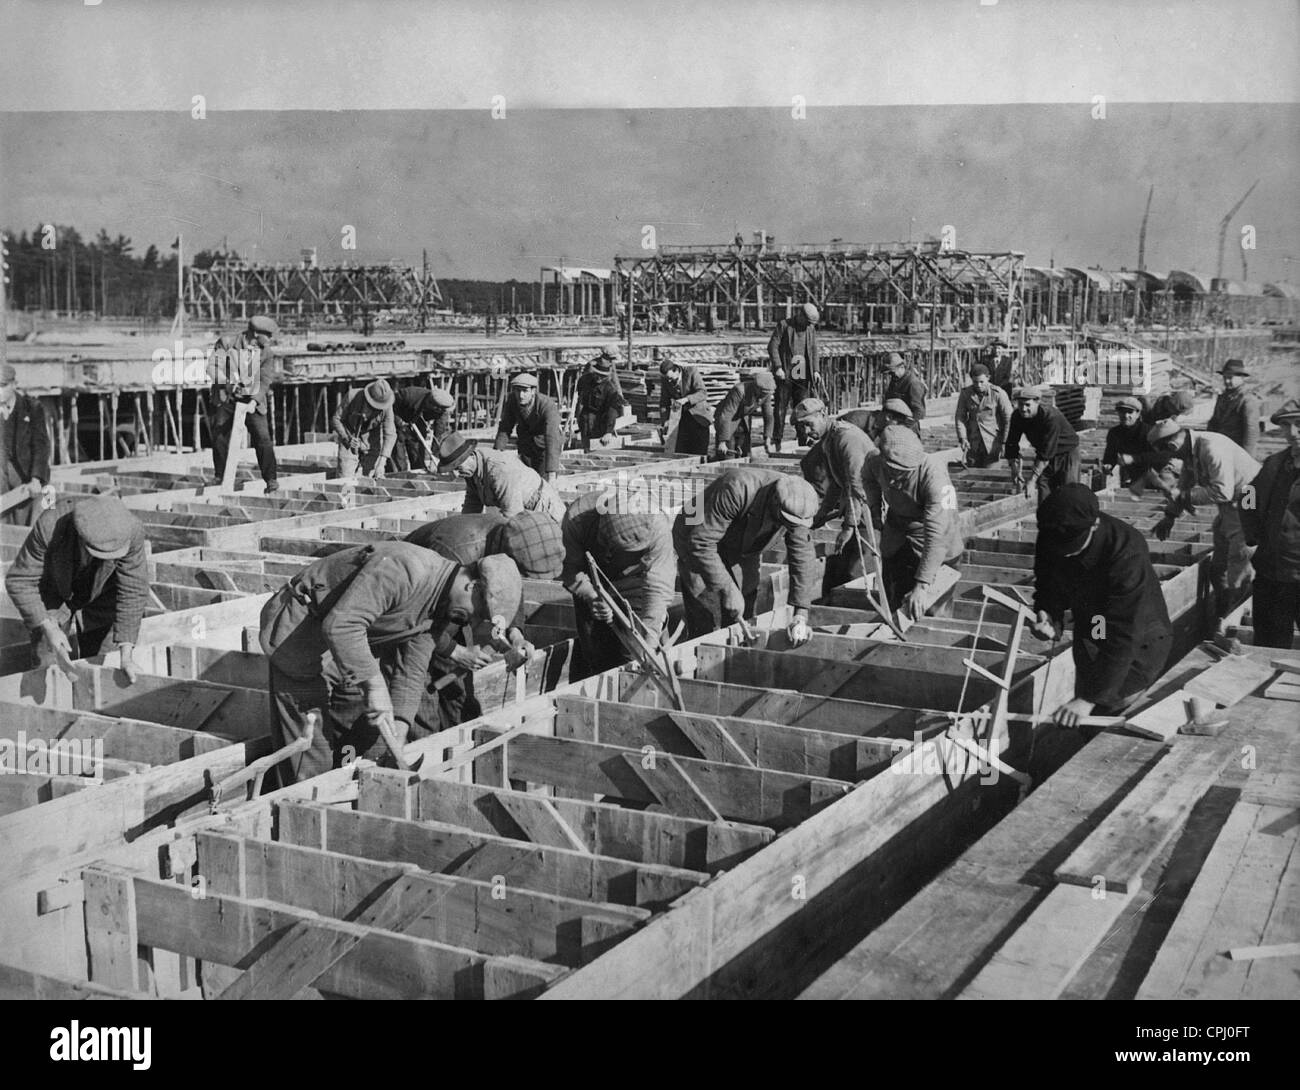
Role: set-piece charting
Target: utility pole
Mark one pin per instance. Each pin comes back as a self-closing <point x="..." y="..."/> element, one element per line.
<point x="1142" y="233"/>
<point x="4" y="305"/>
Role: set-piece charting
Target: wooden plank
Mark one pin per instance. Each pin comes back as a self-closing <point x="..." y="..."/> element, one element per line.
<point x="111" y="928"/>
<point x="541" y="823"/>
<point x="1230" y="679"/>
<point x="1256" y="953"/>
<point x="1272" y="789"/>
<point x="1162" y="719"/>
<point x="446" y="849"/>
<point x="18" y="983"/>
<point x="671" y="786"/>
<point x="710" y="738"/>
<point x="1284" y="688"/>
<point x="1047" y="950"/>
<point x="1122" y="847"/>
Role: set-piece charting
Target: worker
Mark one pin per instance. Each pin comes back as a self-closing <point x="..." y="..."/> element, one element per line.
<point x="24" y="450"/>
<point x="366" y="430"/>
<point x="1126" y="443"/>
<point x="80" y="577"/>
<point x="1097" y="568"/>
<point x="1170" y="406"/>
<point x="896" y="411"/>
<point x="983" y="418"/>
<point x="600" y="401"/>
<point x="417" y="412"/>
<point x="869" y="421"/>
<point x="719" y="550"/>
<point x="920" y="532"/>
<point x="634" y="551"/>
<point x="1055" y="443"/>
<point x="535" y="421"/>
<point x="1271" y="521"/>
<point x="837" y="475"/>
<point x="792" y="353"/>
<point x="351" y="637"/>
<point x="244" y="370"/>
<point x="494" y="479"/>
<point x="1209" y="468"/>
<point x="683" y="389"/>
<point x="731" y="430"/>
<point x="1237" y="411"/>
<point x="905" y="385"/>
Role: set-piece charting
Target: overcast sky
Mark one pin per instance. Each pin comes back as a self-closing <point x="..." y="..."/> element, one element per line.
<point x="1024" y="164"/>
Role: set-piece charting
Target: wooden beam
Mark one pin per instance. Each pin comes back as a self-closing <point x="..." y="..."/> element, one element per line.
<point x="671" y="786"/>
<point x="112" y="933"/>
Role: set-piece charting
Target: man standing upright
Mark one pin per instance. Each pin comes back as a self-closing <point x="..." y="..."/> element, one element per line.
<point x="1272" y="521"/>
<point x="600" y="401"/>
<point x="1055" y="443"/>
<point x="906" y="386"/>
<point x="1237" y="411"/>
<point x="535" y="420"/>
<point x="244" y="370"/>
<point x="983" y="419"/>
<point x="683" y="389"/>
<point x="24" y="449"/>
<point x="792" y="351"/>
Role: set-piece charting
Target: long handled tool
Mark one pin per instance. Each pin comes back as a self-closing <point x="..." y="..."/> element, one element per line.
<point x="650" y="651"/>
<point x="877" y="596"/>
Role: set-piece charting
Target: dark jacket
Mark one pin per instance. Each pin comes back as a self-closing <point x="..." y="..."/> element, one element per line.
<point x="845" y="450"/>
<point x="1048" y="432"/>
<point x="909" y="388"/>
<point x="1236" y="415"/>
<point x="787" y="342"/>
<point x="737" y="521"/>
<point x="387" y="595"/>
<point x="413" y="403"/>
<point x="537" y="431"/>
<point x="236" y="376"/>
<point x="1131" y="440"/>
<point x="1272" y="518"/>
<point x="48" y="571"/>
<point x="1112" y="579"/>
<point x="691" y="387"/>
<point x="922" y="513"/>
<point x="600" y="404"/>
<point x="736" y="408"/>
<point x="29" y="442"/>
<point x="357" y="417"/>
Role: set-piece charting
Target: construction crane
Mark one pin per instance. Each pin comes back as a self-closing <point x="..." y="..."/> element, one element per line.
<point x="1142" y="233"/>
<point x="1224" y="224"/>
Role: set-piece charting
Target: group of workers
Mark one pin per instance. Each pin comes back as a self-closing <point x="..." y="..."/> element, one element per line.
<point x="376" y="643"/>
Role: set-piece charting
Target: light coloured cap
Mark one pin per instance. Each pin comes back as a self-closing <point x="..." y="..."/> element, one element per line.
<point x="810" y="312"/>
<point x="809" y="406"/>
<point x="524" y="381"/>
<point x="105" y="526"/>
<point x="442" y="398"/>
<point x="895" y="359"/>
<point x="503" y="586"/>
<point x="796" y="501"/>
<point x="1166" y="429"/>
<point x="380" y="394"/>
<point x="1027" y="393"/>
<point x="1128" y="403"/>
<point x="899" y="406"/>
<point x="764" y="380"/>
<point x="260" y="323"/>
<point x="901" y="448"/>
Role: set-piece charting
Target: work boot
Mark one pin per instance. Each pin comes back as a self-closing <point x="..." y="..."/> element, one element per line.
<point x="271" y="486"/>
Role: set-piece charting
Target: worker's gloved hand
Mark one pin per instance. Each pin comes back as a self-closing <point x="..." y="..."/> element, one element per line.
<point x="1044" y="627"/>
<point x="915" y="602"/>
<point x="1164" y="527"/>
<point x="130" y="667"/>
<point x="732" y="603"/>
<point x="798" y="630"/>
<point x="518" y="655"/>
<point x="471" y="658"/>
<point x="600" y="609"/>
<point x="1069" y="713"/>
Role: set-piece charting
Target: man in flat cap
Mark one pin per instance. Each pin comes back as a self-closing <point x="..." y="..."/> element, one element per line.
<point x="600" y="400"/>
<point x="244" y="369"/>
<point x="494" y="478"/>
<point x="1126" y="443"/>
<point x="983" y="418"/>
<point x="752" y="393"/>
<point x="921" y="533"/>
<point x="24" y="450"/>
<point x="905" y="385"/>
<point x="634" y="550"/>
<point x="351" y="637"/>
<point x="1098" y="568"/>
<point x="1271" y="521"/>
<point x="792" y="355"/>
<point x="719" y="550"/>
<point x="421" y="415"/>
<point x="838" y="476"/>
<point x="1055" y="443"/>
<point x="80" y="577"/>
<point x="1170" y="406"/>
<point x="366" y="430"/>
<point x="1237" y="411"/>
<point x="1210" y="468"/>
<point x="897" y="411"/>
<point x="683" y="389"/>
<point x="535" y="420"/>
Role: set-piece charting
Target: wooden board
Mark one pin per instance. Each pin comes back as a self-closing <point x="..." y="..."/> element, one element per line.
<point x="1230" y="679"/>
<point x="1162" y="719"/>
<point x="1284" y="688"/>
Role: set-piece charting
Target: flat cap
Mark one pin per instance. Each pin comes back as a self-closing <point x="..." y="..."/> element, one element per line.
<point x="380" y="394"/>
<point x="503" y="587"/>
<point x="1066" y="516"/>
<point x="1128" y="403"/>
<point x="7" y="374"/>
<point x="895" y="359"/>
<point x="533" y="541"/>
<point x="629" y="531"/>
<point x="260" y="323"/>
<point x="524" y="380"/>
<point x="669" y="365"/>
<point x="809" y="406"/>
<point x="796" y="500"/>
<point x="978" y="369"/>
<point x="1027" y="393"/>
<point x="810" y="312"/>
<point x="764" y="380"/>
<point x="105" y="526"/>
<point x="442" y="398"/>
<point x="454" y="449"/>
<point x="1174" y="403"/>
<point x="1290" y="410"/>
<point x="901" y="447"/>
<point x="1165" y="429"/>
<point x="899" y="406"/>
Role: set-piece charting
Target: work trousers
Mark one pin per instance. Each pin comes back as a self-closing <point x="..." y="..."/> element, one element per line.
<point x="1230" y="571"/>
<point x="741" y="443"/>
<point x="692" y="435"/>
<point x="409" y="452"/>
<point x="1061" y="470"/>
<point x="979" y="456"/>
<point x="599" y="648"/>
<point x="351" y="462"/>
<point x="259" y="437"/>
<point x="702" y="602"/>
<point x="1148" y="665"/>
<point x="789" y="392"/>
<point x="1275" y="612"/>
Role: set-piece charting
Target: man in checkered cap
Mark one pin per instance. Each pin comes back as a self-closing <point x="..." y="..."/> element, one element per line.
<point x="634" y="550"/>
